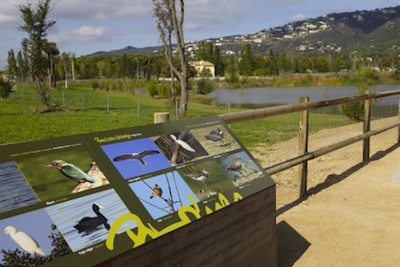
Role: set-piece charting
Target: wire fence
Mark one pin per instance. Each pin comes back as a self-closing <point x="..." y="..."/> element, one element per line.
<point x="269" y="130"/>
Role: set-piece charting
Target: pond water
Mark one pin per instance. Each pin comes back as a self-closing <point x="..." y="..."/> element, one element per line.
<point x="290" y="95"/>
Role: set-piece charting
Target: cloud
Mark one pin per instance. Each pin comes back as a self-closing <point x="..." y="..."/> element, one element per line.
<point x="298" y="17"/>
<point x="210" y="14"/>
<point x="8" y="20"/>
<point x="86" y="35"/>
<point x="102" y="9"/>
<point x="9" y="14"/>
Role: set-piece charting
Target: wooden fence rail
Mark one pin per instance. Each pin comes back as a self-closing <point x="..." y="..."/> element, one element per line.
<point x="303" y="107"/>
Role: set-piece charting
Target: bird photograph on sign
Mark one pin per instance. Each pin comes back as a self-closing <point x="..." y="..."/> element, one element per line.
<point x="85" y="221"/>
<point x="15" y="191"/>
<point x="163" y="194"/>
<point x="240" y="168"/>
<point x="180" y="147"/>
<point x="206" y="178"/>
<point x="59" y="174"/>
<point x="89" y="224"/>
<point x="27" y="233"/>
<point x="136" y="157"/>
<point x="216" y="139"/>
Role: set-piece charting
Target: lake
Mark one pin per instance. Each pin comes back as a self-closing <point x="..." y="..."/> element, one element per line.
<point x="291" y="95"/>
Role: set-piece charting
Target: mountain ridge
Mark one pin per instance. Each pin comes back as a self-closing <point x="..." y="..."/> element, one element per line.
<point x="369" y="31"/>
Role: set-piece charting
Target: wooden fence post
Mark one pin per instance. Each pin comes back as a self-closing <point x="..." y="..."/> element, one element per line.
<point x="160" y="117"/>
<point x="398" y="129"/>
<point x="303" y="147"/>
<point x="367" y="126"/>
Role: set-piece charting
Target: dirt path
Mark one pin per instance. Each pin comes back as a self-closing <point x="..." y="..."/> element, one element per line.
<point x="351" y="216"/>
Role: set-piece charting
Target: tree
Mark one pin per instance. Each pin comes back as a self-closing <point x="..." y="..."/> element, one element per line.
<point x="246" y="62"/>
<point x="101" y="66"/>
<point x="273" y="63"/>
<point x="218" y="63"/>
<point x="22" y="67"/>
<point x="73" y="66"/>
<point x="65" y="63"/>
<point x="37" y="27"/>
<point x="281" y="62"/>
<point x="51" y="51"/>
<point x="170" y="17"/>
<point x="209" y="52"/>
<point x="11" y="64"/>
<point x="205" y="51"/>
<point x="231" y="73"/>
<point x="25" y="63"/>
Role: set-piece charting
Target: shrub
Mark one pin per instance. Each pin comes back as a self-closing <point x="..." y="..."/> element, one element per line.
<point x="151" y="87"/>
<point x="5" y="88"/>
<point x="205" y="86"/>
<point x="355" y="110"/>
<point x="164" y="89"/>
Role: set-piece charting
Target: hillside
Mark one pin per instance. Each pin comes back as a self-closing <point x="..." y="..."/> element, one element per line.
<point x="372" y="32"/>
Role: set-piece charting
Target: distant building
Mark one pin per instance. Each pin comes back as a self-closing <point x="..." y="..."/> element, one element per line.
<point x="202" y="65"/>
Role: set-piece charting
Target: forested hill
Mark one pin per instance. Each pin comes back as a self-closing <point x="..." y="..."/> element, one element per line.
<point x="372" y="32"/>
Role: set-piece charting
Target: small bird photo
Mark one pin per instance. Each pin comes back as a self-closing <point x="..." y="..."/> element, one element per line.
<point x="216" y="139"/>
<point x="180" y="147"/>
<point x="15" y="191"/>
<point x="56" y="175"/>
<point x="135" y="158"/>
<point x="163" y="194"/>
<point x="28" y="233"/>
<point x="85" y="221"/>
<point x="240" y="168"/>
<point x="206" y="179"/>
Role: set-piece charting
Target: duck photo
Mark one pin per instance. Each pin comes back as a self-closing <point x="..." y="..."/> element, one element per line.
<point x="90" y="224"/>
<point x="86" y="221"/>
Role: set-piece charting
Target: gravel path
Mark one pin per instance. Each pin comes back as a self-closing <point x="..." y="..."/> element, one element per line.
<point x="351" y="215"/>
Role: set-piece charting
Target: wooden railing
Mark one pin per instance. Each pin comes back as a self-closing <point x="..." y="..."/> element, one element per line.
<point x="303" y="107"/>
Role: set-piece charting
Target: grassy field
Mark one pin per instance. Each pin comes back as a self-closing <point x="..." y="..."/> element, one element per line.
<point x="81" y="110"/>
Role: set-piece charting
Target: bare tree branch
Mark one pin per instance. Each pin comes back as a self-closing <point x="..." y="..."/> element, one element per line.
<point x="170" y="23"/>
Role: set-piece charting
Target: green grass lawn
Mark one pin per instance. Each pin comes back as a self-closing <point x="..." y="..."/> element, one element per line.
<point x="85" y="110"/>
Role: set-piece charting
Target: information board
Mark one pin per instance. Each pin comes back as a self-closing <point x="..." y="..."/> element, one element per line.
<point x="88" y="198"/>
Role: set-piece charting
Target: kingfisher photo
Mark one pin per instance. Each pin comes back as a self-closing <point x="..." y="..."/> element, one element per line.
<point x="52" y="176"/>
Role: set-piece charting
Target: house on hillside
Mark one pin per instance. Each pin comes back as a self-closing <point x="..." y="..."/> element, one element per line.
<point x="202" y="66"/>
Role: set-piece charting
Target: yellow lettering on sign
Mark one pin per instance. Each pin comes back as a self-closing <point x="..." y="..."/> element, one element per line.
<point x="147" y="230"/>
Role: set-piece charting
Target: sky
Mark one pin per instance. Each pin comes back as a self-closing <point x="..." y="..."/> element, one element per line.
<point x="86" y="26"/>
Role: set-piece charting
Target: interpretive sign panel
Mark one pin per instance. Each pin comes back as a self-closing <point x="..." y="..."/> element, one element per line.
<point x="91" y="197"/>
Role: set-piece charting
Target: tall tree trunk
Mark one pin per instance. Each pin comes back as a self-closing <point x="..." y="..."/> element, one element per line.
<point x="73" y="69"/>
<point x="170" y="20"/>
<point x="43" y="92"/>
<point x="184" y="99"/>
